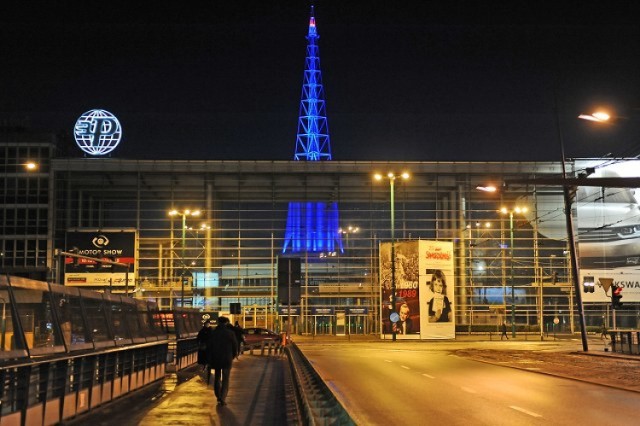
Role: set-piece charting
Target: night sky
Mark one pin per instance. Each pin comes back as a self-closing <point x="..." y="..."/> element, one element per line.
<point x="413" y="80"/>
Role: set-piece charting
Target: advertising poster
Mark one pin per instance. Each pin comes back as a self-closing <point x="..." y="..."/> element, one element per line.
<point x="437" y="295"/>
<point x="608" y="229"/>
<point x="406" y="321"/>
<point x="114" y="245"/>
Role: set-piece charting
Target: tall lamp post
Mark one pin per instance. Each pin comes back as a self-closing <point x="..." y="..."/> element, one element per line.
<point x="392" y="179"/>
<point x="570" y="231"/>
<point x="348" y="230"/>
<point x="4" y="323"/>
<point x="183" y="214"/>
<point x="518" y="210"/>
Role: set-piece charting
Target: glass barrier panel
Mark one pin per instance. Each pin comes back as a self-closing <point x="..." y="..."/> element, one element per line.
<point x="145" y="320"/>
<point x="96" y="311"/>
<point x="196" y="322"/>
<point x="164" y="320"/>
<point x="157" y="321"/>
<point x="178" y="322"/>
<point x="131" y="316"/>
<point x="66" y="301"/>
<point x="189" y="323"/>
<point x="34" y="306"/>
<point x="12" y="343"/>
<point x="117" y="312"/>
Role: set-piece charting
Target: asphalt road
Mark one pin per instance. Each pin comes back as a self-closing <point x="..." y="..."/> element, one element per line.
<point x="382" y="383"/>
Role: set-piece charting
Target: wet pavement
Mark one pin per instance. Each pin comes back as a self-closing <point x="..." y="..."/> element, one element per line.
<point x="259" y="394"/>
<point x="261" y="391"/>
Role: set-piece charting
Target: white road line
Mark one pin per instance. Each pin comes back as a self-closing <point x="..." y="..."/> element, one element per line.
<point x="468" y="390"/>
<point x="428" y="375"/>
<point x="405" y="367"/>
<point x="387" y="360"/>
<point x="522" y="410"/>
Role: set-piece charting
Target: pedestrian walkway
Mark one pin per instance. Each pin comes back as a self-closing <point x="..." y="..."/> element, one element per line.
<point x="259" y="394"/>
<point x="256" y="396"/>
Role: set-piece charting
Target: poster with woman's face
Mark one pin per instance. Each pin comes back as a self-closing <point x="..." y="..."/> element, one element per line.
<point x="437" y="283"/>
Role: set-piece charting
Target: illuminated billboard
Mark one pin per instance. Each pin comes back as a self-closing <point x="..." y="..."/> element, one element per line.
<point x="424" y="296"/>
<point x="97" y="132"/>
<point x="113" y="245"/>
<point x="607" y="231"/>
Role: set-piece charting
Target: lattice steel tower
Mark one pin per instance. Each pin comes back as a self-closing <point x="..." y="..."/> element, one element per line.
<point x="312" y="226"/>
<point x="312" y="142"/>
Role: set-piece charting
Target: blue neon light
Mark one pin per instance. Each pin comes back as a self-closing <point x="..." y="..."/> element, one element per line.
<point x="312" y="226"/>
<point x="312" y="142"/>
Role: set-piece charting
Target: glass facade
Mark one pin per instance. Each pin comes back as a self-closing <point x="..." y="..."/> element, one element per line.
<point x="24" y="206"/>
<point x="240" y="233"/>
<point x="512" y="265"/>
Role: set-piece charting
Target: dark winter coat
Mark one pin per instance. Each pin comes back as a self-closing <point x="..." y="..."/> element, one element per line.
<point x="239" y="333"/>
<point x="222" y="347"/>
<point x="203" y="336"/>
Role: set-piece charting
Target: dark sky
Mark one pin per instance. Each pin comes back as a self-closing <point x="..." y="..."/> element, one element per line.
<point x="404" y="80"/>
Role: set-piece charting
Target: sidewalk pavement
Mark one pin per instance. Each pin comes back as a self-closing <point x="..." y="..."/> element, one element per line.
<point x="259" y="394"/>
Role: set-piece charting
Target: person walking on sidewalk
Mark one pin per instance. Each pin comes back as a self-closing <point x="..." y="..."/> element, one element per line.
<point x="604" y="332"/>
<point x="503" y="328"/>
<point x="203" y="336"/>
<point x="239" y="333"/>
<point x="222" y="347"/>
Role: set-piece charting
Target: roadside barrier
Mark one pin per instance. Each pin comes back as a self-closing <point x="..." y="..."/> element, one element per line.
<point x="317" y="404"/>
<point x="625" y="341"/>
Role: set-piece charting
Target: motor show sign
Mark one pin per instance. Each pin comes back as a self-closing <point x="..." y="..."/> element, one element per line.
<point x="113" y="245"/>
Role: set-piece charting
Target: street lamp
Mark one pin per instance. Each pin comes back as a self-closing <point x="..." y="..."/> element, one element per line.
<point x="568" y="214"/>
<point x="392" y="179"/>
<point x="4" y="323"/>
<point x="183" y="214"/>
<point x="598" y="117"/>
<point x="518" y="210"/>
<point x="349" y="230"/>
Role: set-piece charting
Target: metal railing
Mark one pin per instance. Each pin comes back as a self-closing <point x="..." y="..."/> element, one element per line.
<point x="48" y="391"/>
<point x="625" y="341"/>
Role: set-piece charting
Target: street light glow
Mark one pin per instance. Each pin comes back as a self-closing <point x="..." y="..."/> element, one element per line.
<point x="184" y="213"/>
<point x="518" y="210"/>
<point x="392" y="179"/>
<point x="598" y="117"/>
<point x="488" y="188"/>
<point x="392" y="176"/>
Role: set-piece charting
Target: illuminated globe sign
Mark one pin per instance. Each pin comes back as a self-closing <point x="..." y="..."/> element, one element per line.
<point x="97" y="132"/>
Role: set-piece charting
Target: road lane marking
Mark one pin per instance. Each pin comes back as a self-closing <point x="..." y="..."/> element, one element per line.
<point x="522" y="410"/>
<point x="427" y="375"/>
<point x="468" y="389"/>
<point x="405" y="367"/>
<point x="387" y="360"/>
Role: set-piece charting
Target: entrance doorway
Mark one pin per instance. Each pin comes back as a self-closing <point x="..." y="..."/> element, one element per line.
<point x="357" y="324"/>
<point x="323" y="325"/>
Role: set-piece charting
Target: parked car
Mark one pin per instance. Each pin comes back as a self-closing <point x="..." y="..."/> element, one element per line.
<point x="256" y="335"/>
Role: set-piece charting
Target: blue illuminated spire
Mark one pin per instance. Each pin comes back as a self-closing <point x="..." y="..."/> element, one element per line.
<point x="312" y="226"/>
<point x="312" y="141"/>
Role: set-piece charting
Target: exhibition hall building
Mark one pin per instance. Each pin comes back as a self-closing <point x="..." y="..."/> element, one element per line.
<point x="308" y="241"/>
